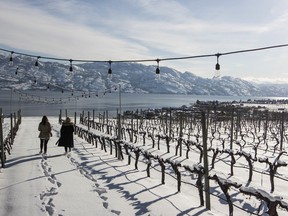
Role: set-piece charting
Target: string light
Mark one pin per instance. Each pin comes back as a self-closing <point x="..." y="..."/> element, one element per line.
<point x="16" y="72"/>
<point x="157" y="69"/>
<point x="149" y="60"/>
<point x="110" y="69"/>
<point x="11" y="59"/>
<point x="217" y="66"/>
<point x="36" y="62"/>
<point x="71" y="67"/>
<point x="31" y="97"/>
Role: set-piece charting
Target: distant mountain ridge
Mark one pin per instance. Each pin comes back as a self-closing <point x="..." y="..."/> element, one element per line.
<point x="133" y="77"/>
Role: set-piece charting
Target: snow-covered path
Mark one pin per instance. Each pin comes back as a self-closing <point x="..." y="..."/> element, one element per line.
<point x="87" y="181"/>
<point x="32" y="184"/>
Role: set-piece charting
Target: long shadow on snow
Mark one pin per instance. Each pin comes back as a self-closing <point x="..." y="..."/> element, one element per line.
<point x="142" y="207"/>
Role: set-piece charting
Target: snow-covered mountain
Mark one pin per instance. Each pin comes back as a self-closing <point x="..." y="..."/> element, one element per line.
<point x="133" y="77"/>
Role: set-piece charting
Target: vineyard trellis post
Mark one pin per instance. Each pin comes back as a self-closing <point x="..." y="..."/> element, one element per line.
<point x="93" y="119"/>
<point x="132" y="128"/>
<point x="119" y="126"/>
<point x="237" y="124"/>
<point x="266" y="124"/>
<point x="231" y="139"/>
<point x="82" y="116"/>
<point x="232" y="128"/>
<point x="12" y="130"/>
<point x="15" y="118"/>
<point x="1" y="139"/>
<point x="75" y="119"/>
<point x="137" y="121"/>
<point x="206" y="179"/>
<point x="170" y="122"/>
<point x="282" y="130"/>
<point x="107" y="120"/>
<point x="60" y="116"/>
<point x="88" y="121"/>
<point x="181" y="132"/>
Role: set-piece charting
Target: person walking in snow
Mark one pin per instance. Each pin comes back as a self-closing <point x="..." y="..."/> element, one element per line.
<point x="66" y="135"/>
<point x="45" y="134"/>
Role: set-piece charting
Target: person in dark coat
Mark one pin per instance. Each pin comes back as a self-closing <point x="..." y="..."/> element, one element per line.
<point x="45" y="133"/>
<point x="66" y="135"/>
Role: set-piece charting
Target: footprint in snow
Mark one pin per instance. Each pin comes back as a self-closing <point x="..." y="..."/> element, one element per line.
<point x="100" y="191"/>
<point x="105" y="204"/>
<point x="116" y="212"/>
<point x="104" y="198"/>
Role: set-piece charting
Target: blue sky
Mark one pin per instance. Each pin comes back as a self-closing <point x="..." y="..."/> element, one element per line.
<point x="151" y="29"/>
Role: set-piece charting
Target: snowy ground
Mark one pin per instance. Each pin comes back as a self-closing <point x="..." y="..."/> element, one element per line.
<point x="85" y="182"/>
<point x="89" y="181"/>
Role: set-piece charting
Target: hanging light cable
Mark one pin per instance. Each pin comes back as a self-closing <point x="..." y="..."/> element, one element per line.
<point x="217" y="67"/>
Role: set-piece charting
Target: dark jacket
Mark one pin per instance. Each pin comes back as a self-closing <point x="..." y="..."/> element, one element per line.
<point x="66" y="135"/>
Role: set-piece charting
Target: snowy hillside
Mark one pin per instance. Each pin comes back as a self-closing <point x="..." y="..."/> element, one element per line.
<point x="133" y="77"/>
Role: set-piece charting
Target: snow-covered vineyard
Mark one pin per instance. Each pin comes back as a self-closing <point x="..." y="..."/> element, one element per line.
<point x="231" y="160"/>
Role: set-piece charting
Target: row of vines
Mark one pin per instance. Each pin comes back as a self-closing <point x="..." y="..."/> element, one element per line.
<point x="238" y="138"/>
<point x="7" y="136"/>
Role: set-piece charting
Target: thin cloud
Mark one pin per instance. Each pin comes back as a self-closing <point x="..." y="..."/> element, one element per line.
<point x="145" y="29"/>
<point x="41" y="31"/>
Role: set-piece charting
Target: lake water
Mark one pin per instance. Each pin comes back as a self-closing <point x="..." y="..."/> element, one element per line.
<point x="38" y="103"/>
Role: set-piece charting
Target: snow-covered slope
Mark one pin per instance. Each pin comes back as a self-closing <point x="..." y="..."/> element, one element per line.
<point x="133" y="77"/>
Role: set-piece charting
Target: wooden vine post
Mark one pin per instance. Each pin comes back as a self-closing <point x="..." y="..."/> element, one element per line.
<point x="119" y="127"/>
<point x="1" y="139"/>
<point x="232" y="129"/>
<point x="206" y="174"/>
<point x="266" y="124"/>
<point x="93" y="116"/>
<point x="60" y="116"/>
<point x="181" y="133"/>
<point x="75" y="119"/>
<point x="12" y="129"/>
<point x="282" y="131"/>
<point x="107" y="126"/>
<point x="170" y="122"/>
<point x="231" y="141"/>
<point x="88" y="121"/>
